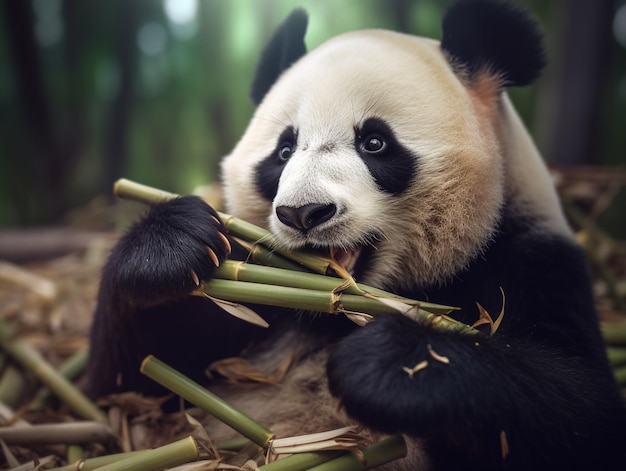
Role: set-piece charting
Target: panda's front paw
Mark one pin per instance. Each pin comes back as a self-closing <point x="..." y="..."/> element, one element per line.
<point x="376" y="373"/>
<point x="168" y="253"/>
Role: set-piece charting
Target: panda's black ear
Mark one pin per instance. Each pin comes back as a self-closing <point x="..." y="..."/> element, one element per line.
<point x="494" y="36"/>
<point x="284" y="48"/>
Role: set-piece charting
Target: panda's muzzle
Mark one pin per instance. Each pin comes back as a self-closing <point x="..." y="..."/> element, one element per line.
<point x="305" y="218"/>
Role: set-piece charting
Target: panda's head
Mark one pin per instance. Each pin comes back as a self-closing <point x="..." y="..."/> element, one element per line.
<point x="388" y="149"/>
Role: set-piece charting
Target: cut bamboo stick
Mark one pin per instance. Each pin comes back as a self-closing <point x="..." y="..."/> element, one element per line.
<point x="386" y="450"/>
<point x="167" y="456"/>
<point x="206" y="400"/>
<point x="71" y="432"/>
<point x="13" y="386"/>
<point x="321" y="301"/>
<point x="90" y="464"/>
<point x="302" y="461"/>
<point x="60" y="386"/>
<point x="70" y="370"/>
<point x="614" y="333"/>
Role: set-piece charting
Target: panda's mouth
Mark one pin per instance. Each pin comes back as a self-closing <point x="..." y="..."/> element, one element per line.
<point x="346" y="257"/>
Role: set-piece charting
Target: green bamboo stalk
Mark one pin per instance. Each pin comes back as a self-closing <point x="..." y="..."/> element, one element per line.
<point x="239" y="228"/>
<point x="13" y="386"/>
<point x="264" y="256"/>
<point x="73" y="432"/>
<point x="167" y="456"/>
<point x="302" y="461"/>
<point x="206" y="400"/>
<point x="617" y="355"/>
<point x="75" y="453"/>
<point x="242" y="271"/>
<point x="90" y="464"/>
<point x="234" y="444"/>
<point x="614" y="333"/>
<point x="388" y="449"/>
<point x="70" y="369"/>
<point x="620" y="375"/>
<point x="315" y="300"/>
<point x="61" y="387"/>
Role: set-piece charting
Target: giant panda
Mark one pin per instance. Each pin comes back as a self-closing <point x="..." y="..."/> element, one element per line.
<point x="405" y="158"/>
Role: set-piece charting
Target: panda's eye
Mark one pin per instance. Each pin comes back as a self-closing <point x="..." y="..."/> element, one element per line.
<point x="374" y="143"/>
<point x="284" y="151"/>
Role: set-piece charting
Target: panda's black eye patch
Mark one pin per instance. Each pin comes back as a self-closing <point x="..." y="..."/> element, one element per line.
<point x="268" y="171"/>
<point x="390" y="163"/>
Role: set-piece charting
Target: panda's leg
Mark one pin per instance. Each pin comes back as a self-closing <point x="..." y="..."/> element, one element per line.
<point x="144" y="305"/>
<point x="479" y="400"/>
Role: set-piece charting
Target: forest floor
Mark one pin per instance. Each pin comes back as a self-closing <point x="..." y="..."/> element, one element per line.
<point x="48" y="305"/>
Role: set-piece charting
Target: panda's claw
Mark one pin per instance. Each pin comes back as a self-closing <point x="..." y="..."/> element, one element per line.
<point x="214" y="258"/>
<point x="226" y="242"/>
<point x="195" y="278"/>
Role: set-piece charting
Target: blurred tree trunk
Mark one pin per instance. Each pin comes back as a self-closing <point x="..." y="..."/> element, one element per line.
<point x="44" y="156"/>
<point x="117" y="138"/>
<point x="570" y="106"/>
<point x="399" y="11"/>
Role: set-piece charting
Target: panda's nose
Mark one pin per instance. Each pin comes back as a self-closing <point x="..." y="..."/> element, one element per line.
<point x="305" y="217"/>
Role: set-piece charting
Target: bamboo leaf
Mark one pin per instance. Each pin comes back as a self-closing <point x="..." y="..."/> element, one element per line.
<point x="239" y="311"/>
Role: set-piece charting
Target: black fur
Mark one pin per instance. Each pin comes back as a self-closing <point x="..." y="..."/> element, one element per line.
<point x="270" y="168"/>
<point x="543" y="378"/>
<point x="494" y="35"/>
<point x="394" y="166"/>
<point x="143" y="305"/>
<point x="285" y="47"/>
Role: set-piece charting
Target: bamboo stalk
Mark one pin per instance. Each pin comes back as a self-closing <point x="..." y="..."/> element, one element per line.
<point x="318" y="301"/>
<point x="617" y="356"/>
<point x="13" y="386"/>
<point x="620" y="375"/>
<point x="61" y="387"/>
<point x="75" y="453"/>
<point x="124" y="188"/>
<point x="206" y="400"/>
<point x="71" y="432"/>
<point x="241" y="271"/>
<point x="90" y="464"/>
<point x="316" y="262"/>
<point x="301" y="461"/>
<point x="167" y="456"/>
<point x="270" y="258"/>
<point x="386" y="450"/>
<point x="614" y="333"/>
<point x="70" y="370"/>
<point x="234" y="444"/>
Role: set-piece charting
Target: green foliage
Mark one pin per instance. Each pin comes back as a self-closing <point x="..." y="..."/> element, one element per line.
<point x="120" y="88"/>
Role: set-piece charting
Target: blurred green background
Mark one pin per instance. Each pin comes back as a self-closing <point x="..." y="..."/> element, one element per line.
<point x="157" y="90"/>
